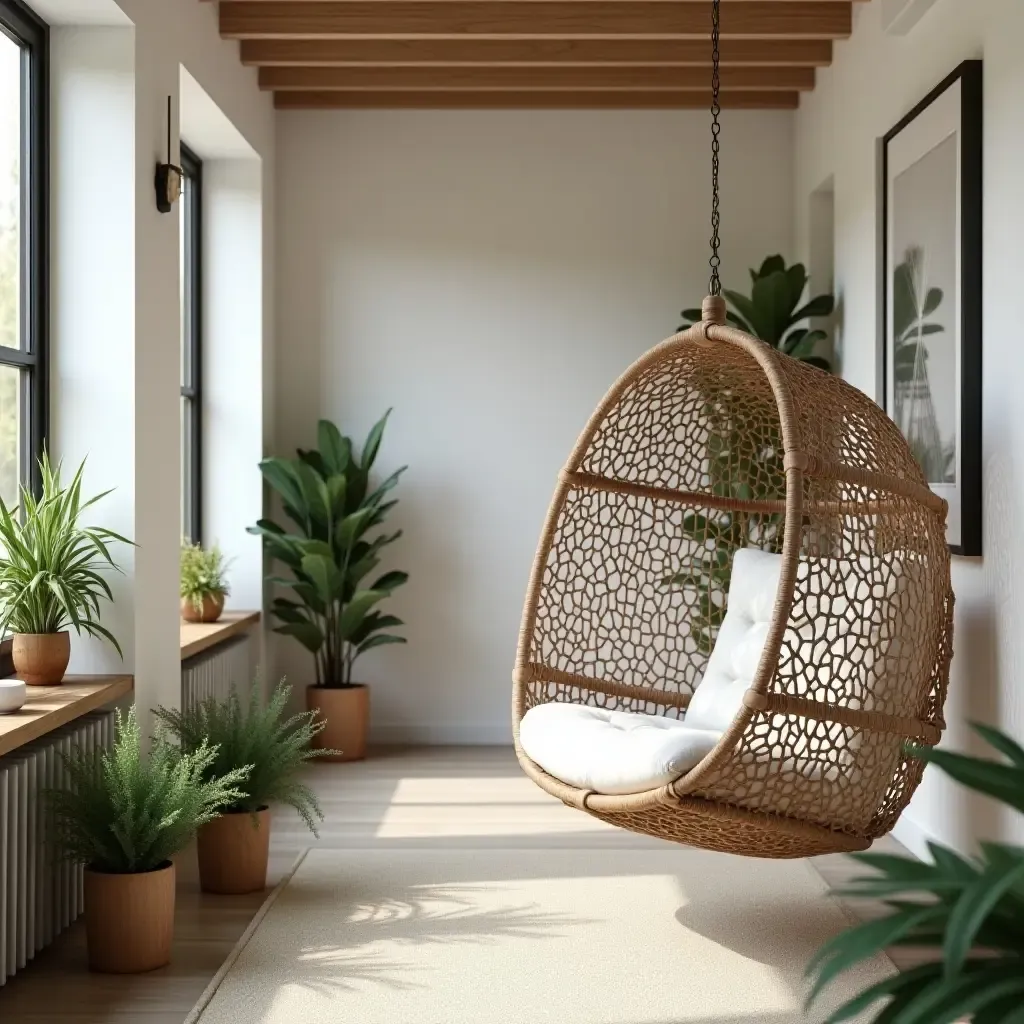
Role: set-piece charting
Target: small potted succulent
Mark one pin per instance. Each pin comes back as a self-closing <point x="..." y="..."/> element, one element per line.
<point x="51" y="576"/>
<point x="204" y="584"/>
<point x="124" y="815"/>
<point x="331" y="549"/>
<point x="234" y="847"/>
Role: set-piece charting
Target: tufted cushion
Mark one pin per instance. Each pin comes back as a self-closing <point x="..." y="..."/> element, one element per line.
<point x="611" y="751"/>
<point x="616" y="752"/>
<point x="741" y="637"/>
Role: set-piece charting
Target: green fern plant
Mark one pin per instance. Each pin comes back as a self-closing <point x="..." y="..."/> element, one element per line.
<point x="203" y="574"/>
<point x="51" y="567"/>
<point x="124" y="812"/>
<point x="257" y="736"/>
<point x="969" y="911"/>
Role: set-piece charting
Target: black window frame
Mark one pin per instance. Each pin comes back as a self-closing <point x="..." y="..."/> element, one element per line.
<point x="192" y="388"/>
<point x="32" y="34"/>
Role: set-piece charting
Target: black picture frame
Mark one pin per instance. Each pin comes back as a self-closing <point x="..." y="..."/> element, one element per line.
<point x="970" y="78"/>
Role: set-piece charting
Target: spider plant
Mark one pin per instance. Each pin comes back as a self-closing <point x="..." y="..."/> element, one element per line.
<point x="968" y="910"/>
<point x="251" y="735"/>
<point x="51" y="566"/>
<point x="126" y="813"/>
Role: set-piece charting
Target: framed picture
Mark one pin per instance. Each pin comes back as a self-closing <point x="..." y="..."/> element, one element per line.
<point x="931" y="287"/>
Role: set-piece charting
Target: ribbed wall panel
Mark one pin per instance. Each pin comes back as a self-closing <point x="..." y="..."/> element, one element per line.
<point x="214" y="672"/>
<point x="40" y="893"/>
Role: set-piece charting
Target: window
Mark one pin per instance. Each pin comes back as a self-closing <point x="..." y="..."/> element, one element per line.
<point x="23" y="237"/>
<point x="191" y="346"/>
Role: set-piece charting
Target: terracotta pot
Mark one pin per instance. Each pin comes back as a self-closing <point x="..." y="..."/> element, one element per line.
<point x="347" y="714"/>
<point x="233" y="853"/>
<point x="129" y="920"/>
<point x="211" y="610"/>
<point x="41" y="659"/>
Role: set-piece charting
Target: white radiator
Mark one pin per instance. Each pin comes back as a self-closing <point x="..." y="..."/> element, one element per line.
<point x="40" y="893"/>
<point x="214" y="672"/>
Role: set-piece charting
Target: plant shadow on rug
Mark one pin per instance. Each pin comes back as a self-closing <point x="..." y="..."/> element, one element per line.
<point x="508" y="936"/>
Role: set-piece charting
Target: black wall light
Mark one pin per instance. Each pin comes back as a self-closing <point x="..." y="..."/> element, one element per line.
<point x="168" y="175"/>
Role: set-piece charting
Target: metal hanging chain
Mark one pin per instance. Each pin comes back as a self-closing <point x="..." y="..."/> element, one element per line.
<point x="716" y="131"/>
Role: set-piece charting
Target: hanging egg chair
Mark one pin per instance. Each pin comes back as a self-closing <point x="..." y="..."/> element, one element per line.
<point x="740" y="611"/>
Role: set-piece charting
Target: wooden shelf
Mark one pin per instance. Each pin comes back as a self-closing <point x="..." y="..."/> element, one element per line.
<point x="49" y="707"/>
<point x="197" y="637"/>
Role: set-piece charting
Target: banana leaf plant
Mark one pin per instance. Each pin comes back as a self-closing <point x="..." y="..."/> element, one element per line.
<point x="968" y="911"/>
<point x="775" y="313"/>
<point x="331" y="549"/>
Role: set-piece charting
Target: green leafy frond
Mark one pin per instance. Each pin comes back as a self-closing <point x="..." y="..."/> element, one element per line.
<point x="957" y="906"/>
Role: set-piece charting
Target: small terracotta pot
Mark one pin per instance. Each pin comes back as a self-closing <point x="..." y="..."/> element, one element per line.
<point x="41" y="659"/>
<point x="211" y="610"/>
<point x="129" y="920"/>
<point x="347" y="714"/>
<point x="233" y="853"/>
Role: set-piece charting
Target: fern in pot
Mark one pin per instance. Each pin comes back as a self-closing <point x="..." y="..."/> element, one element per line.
<point x="332" y="550"/>
<point x="259" y="739"/>
<point x="51" y="575"/>
<point x="124" y="814"/>
<point x="203" y="583"/>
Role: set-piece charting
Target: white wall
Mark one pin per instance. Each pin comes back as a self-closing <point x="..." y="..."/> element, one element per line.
<point x="489" y="275"/>
<point x="133" y="433"/>
<point x="874" y="80"/>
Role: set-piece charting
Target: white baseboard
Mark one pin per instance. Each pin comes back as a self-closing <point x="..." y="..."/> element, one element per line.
<point x="445" y="734"/>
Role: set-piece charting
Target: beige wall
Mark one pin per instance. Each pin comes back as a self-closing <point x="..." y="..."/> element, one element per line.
<point x="876" y="79"/>
<point x="489" y="275"/>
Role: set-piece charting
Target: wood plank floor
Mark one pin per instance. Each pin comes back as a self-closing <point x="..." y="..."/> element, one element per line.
<point x="430" y="798"/>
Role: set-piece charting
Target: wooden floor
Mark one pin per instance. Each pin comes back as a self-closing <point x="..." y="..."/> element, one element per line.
<point x="432" y="798"/>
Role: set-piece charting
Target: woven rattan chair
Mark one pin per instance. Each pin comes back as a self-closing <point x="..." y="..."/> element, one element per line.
<point x="713" y="441"/>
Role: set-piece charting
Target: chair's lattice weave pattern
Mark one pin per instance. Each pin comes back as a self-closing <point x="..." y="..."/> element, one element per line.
<point x="711" y="442"/>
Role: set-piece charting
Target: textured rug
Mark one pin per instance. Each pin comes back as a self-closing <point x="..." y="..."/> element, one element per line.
<point x="500" y="937"/>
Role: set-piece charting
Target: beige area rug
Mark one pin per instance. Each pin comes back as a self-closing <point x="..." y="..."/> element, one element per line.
<point x="560" y="936"/>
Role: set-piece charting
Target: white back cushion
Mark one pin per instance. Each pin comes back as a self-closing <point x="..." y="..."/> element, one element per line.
<point x="741" y="637"/>
<point x="845" y="609"/>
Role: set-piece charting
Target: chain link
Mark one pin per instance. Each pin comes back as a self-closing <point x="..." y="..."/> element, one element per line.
<point x="716" y="131"/>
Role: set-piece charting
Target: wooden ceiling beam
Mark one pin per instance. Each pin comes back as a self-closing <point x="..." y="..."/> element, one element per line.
<point x="322" y="79"/>
<point x="401" y="52"/>
<point x="537" y="100"/>
<point x="396" y="19"/>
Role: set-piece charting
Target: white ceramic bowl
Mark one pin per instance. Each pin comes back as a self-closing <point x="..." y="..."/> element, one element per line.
<point x="12" y="695"/>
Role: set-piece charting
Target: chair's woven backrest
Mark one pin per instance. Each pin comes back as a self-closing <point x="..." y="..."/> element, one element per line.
<point x="713" y="442"/>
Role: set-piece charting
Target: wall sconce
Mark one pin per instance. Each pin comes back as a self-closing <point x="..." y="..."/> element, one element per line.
<point x="168" y="176"/>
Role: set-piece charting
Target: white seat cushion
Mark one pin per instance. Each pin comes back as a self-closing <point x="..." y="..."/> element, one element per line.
<point x="612" y="752"/>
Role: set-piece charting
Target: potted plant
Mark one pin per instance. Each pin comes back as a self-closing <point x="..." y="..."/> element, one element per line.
<point x="331" y="549"/>
<point x="773" y="310"/>
<point x="967" y="910"/>
<point x="51" y="576"/>
<point x="124" y="815"/>
<point x="204" y="584"/>
<point x="233" y="848"/>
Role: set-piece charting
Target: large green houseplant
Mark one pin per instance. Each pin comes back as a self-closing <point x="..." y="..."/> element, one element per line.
<point x="51" y="575"/>
<point x="124" y="814"/>
<point x="332" y="551"/>
<point x="272" y="748"/>
<point x="968" y="911"/>
<point x="775" y="312"/>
